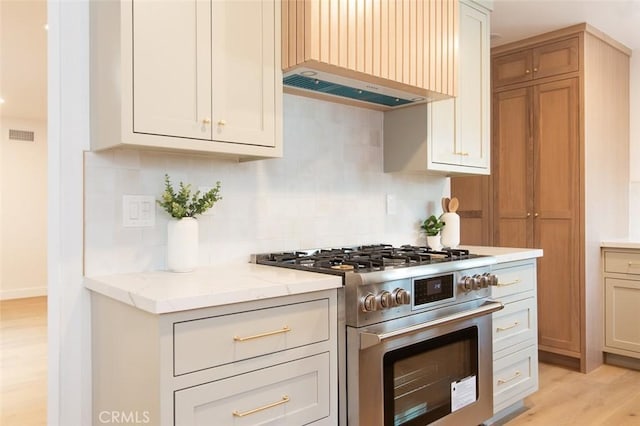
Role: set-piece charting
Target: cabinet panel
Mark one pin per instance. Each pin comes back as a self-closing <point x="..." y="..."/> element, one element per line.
<point x="209" y="342"/>
<point x="622" y="301"/>
<point x="172" y="68"/>
<point x="294" y="393"/>
<point x="244" y="70"/>
<point x="514" y="376"/>
<point x="512" y="145"/>
<point x="555" y="58"/>
<point x="475" y="220"/>
<point x="516" y="323"/>
<point x="622" y="262"/>
<point x="512" y="68"/>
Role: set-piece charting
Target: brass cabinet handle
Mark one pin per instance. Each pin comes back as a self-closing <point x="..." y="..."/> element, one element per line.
<point x="528" y="214"/>
<point x="284" y="400"/>
<point x="515" y="376"/>
<point x="515" y="324"/>
<point x="536" y="214"/>
<point x="464" y="154"/>
<point x="634" y="263"/>
<point x="499" y="284"/>
<point x="535" y="70"/>
<point x="284" y="329"/>
<point x="222" y="122"/>
<point x="527" y="71"/>
<point x="206" y="121"/>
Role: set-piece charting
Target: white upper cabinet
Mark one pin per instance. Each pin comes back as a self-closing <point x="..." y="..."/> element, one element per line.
<point x="450" y="136"/>
<point x="191" y="75"/>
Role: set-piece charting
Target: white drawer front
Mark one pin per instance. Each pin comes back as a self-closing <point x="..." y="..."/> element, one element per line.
<point x="516" y="323"/>
<point x="514" y="279"/>
<point x="294" y="393"/>
<point x="209" y="342"/>
<point x="622" y="262"/>
<point x="514" y="377"/>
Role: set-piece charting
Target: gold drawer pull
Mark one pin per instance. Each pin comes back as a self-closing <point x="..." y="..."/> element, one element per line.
<point x="515" y="324"/>
<point x="284" y="400"/>
<point x="464" y="154"/>
<point x="515" y="376"/>
<point x="284" y="329"/>
<point x="634" y="263"/>
<point x="518" y="281"/>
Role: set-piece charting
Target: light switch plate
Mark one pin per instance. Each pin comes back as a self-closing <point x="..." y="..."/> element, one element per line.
<point x="138" y="211"/>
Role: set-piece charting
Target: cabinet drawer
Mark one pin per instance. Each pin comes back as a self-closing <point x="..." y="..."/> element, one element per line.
<point x="514" y="324"/>
<point x="514" y="279"/>
<point x="514" y="377"/>
<point x="295" y="393"/>
<point x="209" y="342"/>
<point x="622" y="262"/>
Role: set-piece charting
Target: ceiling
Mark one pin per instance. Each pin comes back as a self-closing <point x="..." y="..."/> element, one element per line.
<point x="513" y="20"/>
<point x="23" y="44"/>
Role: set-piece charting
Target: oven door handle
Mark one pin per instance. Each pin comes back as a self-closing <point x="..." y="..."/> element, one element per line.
<point x="371" y="339"/>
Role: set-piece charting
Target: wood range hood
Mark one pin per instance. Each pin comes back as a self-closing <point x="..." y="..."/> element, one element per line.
<point x="379" y="54"/>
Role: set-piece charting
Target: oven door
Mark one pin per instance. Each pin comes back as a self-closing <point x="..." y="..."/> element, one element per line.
<point x="430" y="368"/>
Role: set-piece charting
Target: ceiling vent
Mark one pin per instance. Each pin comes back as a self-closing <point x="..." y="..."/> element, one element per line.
<point x="21" y="135"/>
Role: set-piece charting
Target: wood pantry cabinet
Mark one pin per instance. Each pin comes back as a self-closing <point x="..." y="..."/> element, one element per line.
<point x="560" y="141"/>
<point x="621" y="271"/>
<point x="448" y="136"/>
<point x="187" y="75"/>
<point x="269" y="361"/>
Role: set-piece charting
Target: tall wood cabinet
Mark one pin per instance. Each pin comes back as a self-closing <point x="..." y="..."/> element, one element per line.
<point x="559" y="175"/>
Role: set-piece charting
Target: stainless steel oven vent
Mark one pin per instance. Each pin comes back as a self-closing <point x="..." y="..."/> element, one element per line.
<point x="21" y="135"/>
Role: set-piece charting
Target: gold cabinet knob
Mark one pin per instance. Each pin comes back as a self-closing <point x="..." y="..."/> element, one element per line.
<point x="221" y="122"/>
<point x="206" y="121"/>
<point x="528" y="214"/>
<point x="535" y="70"/>
<point x="527" y="71"/>
<point x="536" y="214"/>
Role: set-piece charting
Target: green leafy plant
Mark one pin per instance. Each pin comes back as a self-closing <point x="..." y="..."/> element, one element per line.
<point x="183" y="204"/>
<point x="432" y="226"/>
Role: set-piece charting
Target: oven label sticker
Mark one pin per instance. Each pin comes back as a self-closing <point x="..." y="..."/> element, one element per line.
<point x="463" y="393"/>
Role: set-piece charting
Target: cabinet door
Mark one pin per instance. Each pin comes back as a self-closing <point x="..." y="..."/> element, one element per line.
<point x="244" y="71"/>
<point x="512" y="168"/>
<point x="171" y="68"/>
<point x="458" y="129"/>
<point x="622" y="330"/>
<point x="556" y="202"/>
<point x="290" y="394"/>
<point x="555" y="58"/>
<point x="512" y="68"/>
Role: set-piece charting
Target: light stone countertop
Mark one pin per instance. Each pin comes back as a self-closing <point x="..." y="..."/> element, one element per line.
<point x="162" y="292"/>
<point x="621" y="243"/>
<point x="505" y="254"/>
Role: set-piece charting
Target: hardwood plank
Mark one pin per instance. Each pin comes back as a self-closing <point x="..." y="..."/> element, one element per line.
<point x="23" y="361"/>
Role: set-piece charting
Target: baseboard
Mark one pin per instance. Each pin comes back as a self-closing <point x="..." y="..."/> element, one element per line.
<point x="622" y="361"/>
<point x="23" y="293"/>
<point x="557" y="359"/>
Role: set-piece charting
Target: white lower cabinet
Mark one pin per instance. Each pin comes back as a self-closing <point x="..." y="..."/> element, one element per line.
<point x="267" y="362"/>
<point x="515" y="335"/>
<point x="622" y="303"/>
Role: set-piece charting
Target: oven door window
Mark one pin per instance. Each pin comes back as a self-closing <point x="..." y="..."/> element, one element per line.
<point x="418" y="378"/>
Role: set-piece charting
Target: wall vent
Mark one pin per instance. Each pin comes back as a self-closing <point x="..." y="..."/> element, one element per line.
<point x="21" y="135"/>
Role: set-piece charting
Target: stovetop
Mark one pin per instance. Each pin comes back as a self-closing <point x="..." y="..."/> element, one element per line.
<point x="362" y="259"/>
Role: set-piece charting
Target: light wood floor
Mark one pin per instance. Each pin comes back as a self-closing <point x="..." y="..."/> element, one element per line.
<point x="23" y="362"/>
<point x="608" y="396"/>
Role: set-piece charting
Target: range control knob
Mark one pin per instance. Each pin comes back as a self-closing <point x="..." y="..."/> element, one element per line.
<point x="384" y="299"/>
<point x="484" y="281"/>
<point x="477" y="283"/>
<point x="368" y="303"/>
<point x="401" y="296"/>
<point x="466" y="284"/>
<point x="491" y="279"/>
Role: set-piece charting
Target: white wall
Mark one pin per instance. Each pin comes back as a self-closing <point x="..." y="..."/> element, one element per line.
<point x="634" y="187"/>
<point x="23" y="220"/>
<point x="327" y="190"/>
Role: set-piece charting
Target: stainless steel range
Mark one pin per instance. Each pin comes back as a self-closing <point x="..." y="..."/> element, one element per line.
<point x="416" y="332"/>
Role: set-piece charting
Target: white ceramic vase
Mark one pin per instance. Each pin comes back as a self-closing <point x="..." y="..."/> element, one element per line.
<point x="451" y="231"/>
<point x="182" y="244"/>
<point x="433" y="241"/>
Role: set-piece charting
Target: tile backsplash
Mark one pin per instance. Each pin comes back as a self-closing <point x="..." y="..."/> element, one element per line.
<point x="328" y="190"/>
